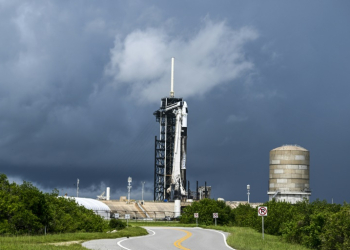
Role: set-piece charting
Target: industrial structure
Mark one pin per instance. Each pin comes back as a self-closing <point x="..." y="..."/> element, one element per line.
<point x="289" y="174"/>
<point x="170" y="147"/>
<point x="102" y="196"/>
<point x="97" y="206"/>
<point x="203" y="192"/>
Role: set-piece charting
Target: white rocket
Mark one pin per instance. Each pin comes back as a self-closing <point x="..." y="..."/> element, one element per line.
<point x="184" y="141"/>
<point x="178" y="177"/>
<point x="179" y="161"/>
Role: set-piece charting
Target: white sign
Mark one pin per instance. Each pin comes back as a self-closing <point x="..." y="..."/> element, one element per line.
<point x="116" y="216"/>
<point x="215" y="215"/>
<point x="127" y="216"/>
<point x="262" y="211"/>
<point x="196" y="215"/>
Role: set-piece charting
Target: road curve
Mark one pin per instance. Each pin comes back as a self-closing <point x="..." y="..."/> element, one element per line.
<point x="169" y="238"/>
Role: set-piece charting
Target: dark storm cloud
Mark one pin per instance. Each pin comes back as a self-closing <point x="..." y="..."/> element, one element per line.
<point x="80" y="81"/>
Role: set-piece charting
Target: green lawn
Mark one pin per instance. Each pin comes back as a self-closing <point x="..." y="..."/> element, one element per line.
<point x="43" y="242"/>
<point x="244" y="238"/>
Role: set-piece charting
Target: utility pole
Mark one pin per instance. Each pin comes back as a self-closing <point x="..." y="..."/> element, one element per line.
<point x="248" y="189"/>
<point x="77" y="187"/>
<point x="143" y="185"/>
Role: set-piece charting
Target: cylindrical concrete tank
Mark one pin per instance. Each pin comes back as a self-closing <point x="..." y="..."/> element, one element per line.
<point x="177" y="208"/>
<point x="289" y="174"/>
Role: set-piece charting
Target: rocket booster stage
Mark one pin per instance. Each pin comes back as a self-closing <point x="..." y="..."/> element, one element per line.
<point x="184" y="143"/>
<point x="178" y="178"/>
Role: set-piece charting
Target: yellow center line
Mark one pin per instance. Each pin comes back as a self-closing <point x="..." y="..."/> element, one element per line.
<point x="178" y="242"/>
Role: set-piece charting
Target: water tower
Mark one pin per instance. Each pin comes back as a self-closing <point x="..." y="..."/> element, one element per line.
<point x="289" y="174"/>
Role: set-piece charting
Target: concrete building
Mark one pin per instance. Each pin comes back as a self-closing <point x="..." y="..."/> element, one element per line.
<point x="289" y="174"/>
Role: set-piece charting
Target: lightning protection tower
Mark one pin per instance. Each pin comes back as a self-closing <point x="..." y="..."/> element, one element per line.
<point x="170" y="147"/>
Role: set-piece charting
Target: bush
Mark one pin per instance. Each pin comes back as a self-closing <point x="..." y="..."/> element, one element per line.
<point x="278" y="214"/>
<point x="315" y="225"/>
<point x="116" y="224"/>
<point x="308" y="223"/>
<point x="244" y="215"/>
<point x="205" y="208"/>
<point x="337" y="230"/>
<point x="26" y="210"/>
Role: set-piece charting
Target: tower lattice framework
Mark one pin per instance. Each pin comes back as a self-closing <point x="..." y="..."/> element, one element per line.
<point x="164" y="148"/>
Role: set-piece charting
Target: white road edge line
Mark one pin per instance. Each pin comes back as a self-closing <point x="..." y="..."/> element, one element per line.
<point x="134" y="238"/>
<point x="222" y="235"/>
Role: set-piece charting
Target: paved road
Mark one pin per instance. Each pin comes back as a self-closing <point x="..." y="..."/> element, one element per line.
<point x="167" y="238"/>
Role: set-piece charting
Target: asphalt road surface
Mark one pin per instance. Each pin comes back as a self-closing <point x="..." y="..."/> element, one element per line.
<point x="166" y="238"/>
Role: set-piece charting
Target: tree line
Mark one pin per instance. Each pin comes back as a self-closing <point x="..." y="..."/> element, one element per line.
<point x="316" y="225"/>
<point x="24" y="209"/>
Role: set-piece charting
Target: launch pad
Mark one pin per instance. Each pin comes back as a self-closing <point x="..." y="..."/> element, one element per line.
<point x="171" y="147"/>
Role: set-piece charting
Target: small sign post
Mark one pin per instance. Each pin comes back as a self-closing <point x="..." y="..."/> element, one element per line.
<point x="262" y="211"/>
<point x="127" y="217"/>
<point x="196" y="216"/>
<point x="215" y="216"/>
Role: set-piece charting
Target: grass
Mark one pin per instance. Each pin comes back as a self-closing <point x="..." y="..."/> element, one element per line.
<point x="244" y="238"/>
<point x="43" y="242"/>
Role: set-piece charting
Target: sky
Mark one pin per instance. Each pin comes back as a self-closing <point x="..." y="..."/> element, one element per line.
<point x="80" y="80"/>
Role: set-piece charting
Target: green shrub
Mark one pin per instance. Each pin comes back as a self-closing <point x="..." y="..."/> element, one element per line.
<point x="337" y="230"/>
<point x="116" y="224"/>
<point x="244" y="215"/>
<point x="24" y="209"/>
<point x="278" y="214"/>
<point x="308" y="223"/>
<point x="205" y="208"/>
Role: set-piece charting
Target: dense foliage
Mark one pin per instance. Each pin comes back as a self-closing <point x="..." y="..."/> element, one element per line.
<point x="316" y="225"/>
<point x="25" y="209"/>
<point x="206" y="208"/>
<point x="117" y="224"/>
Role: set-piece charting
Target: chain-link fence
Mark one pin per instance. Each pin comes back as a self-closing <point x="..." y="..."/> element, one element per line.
<point x="152" y="215"/>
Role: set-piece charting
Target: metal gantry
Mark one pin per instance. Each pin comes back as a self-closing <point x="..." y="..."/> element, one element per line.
<point x="164" y="148"/>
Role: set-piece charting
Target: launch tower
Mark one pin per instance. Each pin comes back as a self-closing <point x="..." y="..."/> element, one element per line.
<point x="170" y="147"/>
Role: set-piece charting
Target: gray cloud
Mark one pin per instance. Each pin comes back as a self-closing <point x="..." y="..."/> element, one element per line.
<point x="235" y="118"/>
<point x="212" y="56"/>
